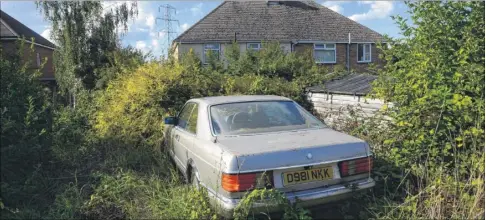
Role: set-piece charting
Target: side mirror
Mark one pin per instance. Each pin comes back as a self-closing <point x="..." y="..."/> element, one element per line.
<point x="170" y="120"/>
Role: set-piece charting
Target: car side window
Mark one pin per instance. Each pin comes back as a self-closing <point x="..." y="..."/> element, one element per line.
<point x="191" y="127"/>
<point x="183" y="119"/>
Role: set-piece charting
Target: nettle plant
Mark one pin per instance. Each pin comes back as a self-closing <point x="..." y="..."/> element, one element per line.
<point x="277" y="198"/>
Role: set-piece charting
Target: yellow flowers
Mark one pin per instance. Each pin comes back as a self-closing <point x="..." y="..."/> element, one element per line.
<point x="130" y="105"/>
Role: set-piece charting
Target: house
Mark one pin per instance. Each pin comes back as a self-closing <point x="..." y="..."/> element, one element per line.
<point x="11" y="30"/>
<point x="297" y="25"/>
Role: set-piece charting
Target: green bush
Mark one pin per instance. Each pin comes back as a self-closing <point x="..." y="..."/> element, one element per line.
<point x="436" y="84"/>
<point x="430" y="157"/>
<point x="25" y="119"/>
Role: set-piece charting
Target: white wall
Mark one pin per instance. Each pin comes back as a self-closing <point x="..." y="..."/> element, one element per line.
<point x="332" y="107"/>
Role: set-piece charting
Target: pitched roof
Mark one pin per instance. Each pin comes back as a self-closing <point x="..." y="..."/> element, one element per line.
<point x="23" y="30"/>
<point x="359" y="84"/>
<point x="281" y="21"/>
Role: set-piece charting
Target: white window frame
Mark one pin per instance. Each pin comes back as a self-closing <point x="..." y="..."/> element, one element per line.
<point x="359" y="55"/>
<point x="255" y="49"/>
<point x="38" y="59"/>
<point x="214" y="50"/>
<point x="327" y="49"/>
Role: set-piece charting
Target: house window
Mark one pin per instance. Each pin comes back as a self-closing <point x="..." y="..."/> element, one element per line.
<point x="254" y="46"/>
<point x="325" y="53"/>
<point x="364" y="53"/>
<point x="211" y="50"/>
<point x="38" y="60"/>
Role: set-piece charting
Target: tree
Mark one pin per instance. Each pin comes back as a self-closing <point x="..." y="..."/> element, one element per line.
<point x="119" y="61"/>
<point x="436" y="84"/>
<point x="85" y="33"/>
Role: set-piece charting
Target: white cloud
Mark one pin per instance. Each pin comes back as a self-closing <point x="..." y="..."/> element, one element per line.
<point x="158" y="34"/>
<point x="184" y="26"/>
<point x="197" y="9"/>
<point x="155" y="43"/>
<point x="141" y="45"/>
<point x="150" y="21"/>
<point x="379" y="9"/>
<point x="333" y="5"/>
<point x="47" y="34"/>
<point x="139" y="29"/>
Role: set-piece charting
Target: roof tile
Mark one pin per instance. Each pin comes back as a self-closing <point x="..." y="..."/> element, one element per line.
<point x="286" y="21"/>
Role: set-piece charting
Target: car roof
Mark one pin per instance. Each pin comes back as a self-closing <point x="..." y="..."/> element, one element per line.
<point x="214" y="100"/>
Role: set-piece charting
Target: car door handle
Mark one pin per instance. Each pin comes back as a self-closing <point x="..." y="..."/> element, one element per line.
<point x="177" y="137"/>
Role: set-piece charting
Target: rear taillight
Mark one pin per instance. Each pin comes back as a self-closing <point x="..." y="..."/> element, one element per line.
<point x="357" y="166"/>
<point x="246" y="181"/>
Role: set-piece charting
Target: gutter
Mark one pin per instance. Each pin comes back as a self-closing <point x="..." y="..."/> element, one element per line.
<point x="281" y="41"/>
<point x="292" y="45"/>
<point x="347" y="51"/>
<point x="40" y="45"/>
<point x="324" y="91"/>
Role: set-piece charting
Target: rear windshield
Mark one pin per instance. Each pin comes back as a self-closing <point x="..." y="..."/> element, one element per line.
<point x="259" y="117"/>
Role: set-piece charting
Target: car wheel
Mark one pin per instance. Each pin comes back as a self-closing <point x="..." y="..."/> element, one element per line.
<point x="195" y="179"/>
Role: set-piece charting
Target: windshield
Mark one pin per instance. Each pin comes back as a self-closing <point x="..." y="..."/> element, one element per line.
<point x="258" y="117"/>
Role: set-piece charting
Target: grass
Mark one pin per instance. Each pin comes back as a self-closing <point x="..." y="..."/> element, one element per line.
<point x="435" y="195"/>
<point x="128" y="194"/>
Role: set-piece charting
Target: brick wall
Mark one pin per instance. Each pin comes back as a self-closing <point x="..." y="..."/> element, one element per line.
<point x="10" y="47"/>
<point x="341" y="56"/>
<point x="362" y="67"/>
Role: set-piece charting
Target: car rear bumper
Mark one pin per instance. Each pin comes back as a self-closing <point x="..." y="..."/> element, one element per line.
<point x="311" y="197"/>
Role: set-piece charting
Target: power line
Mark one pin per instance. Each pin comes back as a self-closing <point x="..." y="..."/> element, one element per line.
<point x="167" y="19"/>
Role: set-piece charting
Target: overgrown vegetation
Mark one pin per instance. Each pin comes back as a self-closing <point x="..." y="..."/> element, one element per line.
<point x="431" y="154"/>
<point x="24" y="138"/>
<point x="104" y="158"/>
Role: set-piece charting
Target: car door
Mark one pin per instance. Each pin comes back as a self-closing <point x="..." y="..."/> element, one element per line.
<point x="184" y="134"/>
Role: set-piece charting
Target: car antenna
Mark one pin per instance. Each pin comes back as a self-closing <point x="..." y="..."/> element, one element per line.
<point x="215" y="139"/>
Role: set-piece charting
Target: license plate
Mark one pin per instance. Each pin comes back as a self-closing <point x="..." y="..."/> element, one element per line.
<point x="306" y="176"/>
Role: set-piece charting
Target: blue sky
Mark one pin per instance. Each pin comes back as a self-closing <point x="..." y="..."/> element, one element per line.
<point x="146" y="31"/>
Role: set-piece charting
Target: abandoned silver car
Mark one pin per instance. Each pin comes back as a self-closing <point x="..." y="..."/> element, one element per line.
<point x="232" y="144"/>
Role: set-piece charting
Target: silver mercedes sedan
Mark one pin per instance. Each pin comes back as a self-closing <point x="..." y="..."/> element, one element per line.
<point x="230" y="145"/>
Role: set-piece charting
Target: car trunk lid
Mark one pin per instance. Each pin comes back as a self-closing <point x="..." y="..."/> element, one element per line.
<point x="295" y="151"/>
<point x="268" y="151"/>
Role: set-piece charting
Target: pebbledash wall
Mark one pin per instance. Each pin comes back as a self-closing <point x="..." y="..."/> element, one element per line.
<point x="354" y="65"/>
